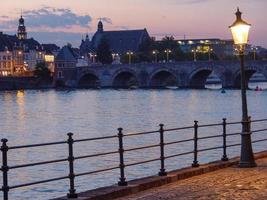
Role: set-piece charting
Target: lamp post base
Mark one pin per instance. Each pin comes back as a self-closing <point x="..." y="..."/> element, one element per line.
<point x="247" y="164"/>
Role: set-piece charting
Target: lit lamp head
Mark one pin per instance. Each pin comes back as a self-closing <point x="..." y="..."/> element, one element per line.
<point x="240" y="30"/>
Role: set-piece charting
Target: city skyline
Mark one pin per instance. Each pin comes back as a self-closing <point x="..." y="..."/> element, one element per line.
<point x="48" y="20"/>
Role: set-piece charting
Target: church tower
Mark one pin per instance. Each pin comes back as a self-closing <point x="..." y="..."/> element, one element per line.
<point x="22" y="34"/>
<point x="100" y="27"/>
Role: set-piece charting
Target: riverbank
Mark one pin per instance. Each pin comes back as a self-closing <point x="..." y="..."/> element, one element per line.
<point x="209" y="181"/>
<point x="24" y="83"/>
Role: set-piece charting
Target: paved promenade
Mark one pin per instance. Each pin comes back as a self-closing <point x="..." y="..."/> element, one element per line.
<point x="225" y="184"/>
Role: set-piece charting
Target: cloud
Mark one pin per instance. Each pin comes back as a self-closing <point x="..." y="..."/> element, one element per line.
<point x="48" y="18"/>
<point x="106" y="19"/>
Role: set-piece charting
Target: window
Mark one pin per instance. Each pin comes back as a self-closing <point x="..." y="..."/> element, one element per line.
<point x="4" y="57"/>
<point x="59" y="74"/>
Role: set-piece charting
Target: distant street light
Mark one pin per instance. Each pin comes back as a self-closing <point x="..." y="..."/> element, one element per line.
<point x="210" y="51"/>
<point x="167" y="51"/>
<point x="155" y="53"/>
<point x="194" y="51"/>
<point x="93" y="56"/>
<point x="254" y="49"/>
<point x="130" y="53"/>
<point x="240" y="32"/>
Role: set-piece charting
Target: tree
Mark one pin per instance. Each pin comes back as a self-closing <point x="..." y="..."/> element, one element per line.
<point x="103" y="52"/>
<point x="42" y="71"/>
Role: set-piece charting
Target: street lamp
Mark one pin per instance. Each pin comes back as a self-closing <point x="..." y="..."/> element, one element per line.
<point x="210" y="50"/>
<point x="254" y="49"/>
<point x="93" y="56"/>
<point x="129" y="53"/>
<point x="240" y="32"/>
<point x="167" y="51"/>
<point x="155" y="53"/>
<point x="194" y="51"/>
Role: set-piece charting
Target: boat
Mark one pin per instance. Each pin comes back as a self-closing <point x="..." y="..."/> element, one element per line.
<point x="171" y="87"/>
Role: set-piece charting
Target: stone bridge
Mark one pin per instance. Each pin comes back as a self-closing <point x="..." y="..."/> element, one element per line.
<point x="154" y="75"/>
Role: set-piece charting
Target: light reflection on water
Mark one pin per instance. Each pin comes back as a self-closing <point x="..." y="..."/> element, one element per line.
<point x="43" y="116"/>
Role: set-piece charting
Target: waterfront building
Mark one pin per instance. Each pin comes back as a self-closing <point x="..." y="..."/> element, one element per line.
<point x="120" y="41"/>
<point x="65" y="64"/>
<point x="218" y="46"/>
<point x="19" y="54"/>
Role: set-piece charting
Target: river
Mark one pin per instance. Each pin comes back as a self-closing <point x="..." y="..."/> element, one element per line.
<point x="34" y="116"/>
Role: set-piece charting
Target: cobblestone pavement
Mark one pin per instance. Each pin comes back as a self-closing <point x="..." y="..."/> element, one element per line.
<point x="227" y="184"/>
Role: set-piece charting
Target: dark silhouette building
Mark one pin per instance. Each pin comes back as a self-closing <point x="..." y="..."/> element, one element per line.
<point x="119" y="41"/>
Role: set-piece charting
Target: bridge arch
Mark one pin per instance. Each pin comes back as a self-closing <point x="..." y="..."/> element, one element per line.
<point x="248" y="74"/>
<point x="197" y="79"/>
<point x="88" y="79"/>
<point x="125" y="78"/>
<point x="162" y="78"/>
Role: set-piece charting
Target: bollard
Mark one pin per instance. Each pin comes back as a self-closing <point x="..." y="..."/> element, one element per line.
<point x="195" y="162"/>
<point x="122" y="181"/>
<point x="4" y="168"/>
<point x="72" y="192"/>
<point x="162" y="158"/>
<point x="224" y="157"/>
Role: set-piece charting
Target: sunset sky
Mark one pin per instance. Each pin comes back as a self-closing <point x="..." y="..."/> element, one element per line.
<point x="61" y="21"/>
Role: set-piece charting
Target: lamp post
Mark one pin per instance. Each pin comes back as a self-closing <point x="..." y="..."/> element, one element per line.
<point x="167" y="51"/>
<point x="210" y="50"/>
<point x="93" y="56"/>
<point x="240" y="31"/>
<point x="194" y="51"/>
<point x="155" y="53"/>
<point x="129" y="53"/>
<point x="254" y="49"/>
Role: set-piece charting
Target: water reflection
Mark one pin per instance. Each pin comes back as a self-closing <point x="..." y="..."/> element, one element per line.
<point x="43" y="116"/>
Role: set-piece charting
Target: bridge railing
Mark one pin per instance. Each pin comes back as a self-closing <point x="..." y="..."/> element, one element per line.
<point x="122" y="165"/>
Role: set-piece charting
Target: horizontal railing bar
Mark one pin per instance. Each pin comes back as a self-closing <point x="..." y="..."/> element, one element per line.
<point x="142" y="162"/>
<point x="38" y="182"/>
<point x="233" y="123"/>
<point x="95" y="155"/>
<point x="262" y="140"/>
<point x="208" y="149"/>
<point x="208" y="137"/>
<point x="180" y="154"/>
<point x="144" y="147"/>
<point x="38" y="163"/>
<point x="231" y="134"/>
<point x="96" y="138"/>
<point x="259" y="130"/>
<point x="177" y="142"/>
<point x="259" y="120"/>
<point x="177" y="129"/>
<point x="139" y="133"/>
<point x="97" y="171"/>
<point x="209" y="125"/>
<point x="37" y="145"/>
<point x="233" y="145"/>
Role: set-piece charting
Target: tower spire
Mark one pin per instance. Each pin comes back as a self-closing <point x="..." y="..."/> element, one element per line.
<point x="22" y="34"/>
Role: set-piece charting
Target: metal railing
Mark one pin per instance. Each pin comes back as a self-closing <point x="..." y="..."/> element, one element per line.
<point x="121" y="152"/>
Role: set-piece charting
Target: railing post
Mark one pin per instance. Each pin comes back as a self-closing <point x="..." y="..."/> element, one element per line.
<point x="162" y="158"/>
<point x="224" y="157"/>
<point x="72" y="192"/>
<point x="122" y="181"/>
<point x="195" y="162"/>
<point x="5" y="168"/>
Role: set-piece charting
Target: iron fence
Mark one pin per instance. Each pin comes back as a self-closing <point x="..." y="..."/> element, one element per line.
<point x="162" y="145"/>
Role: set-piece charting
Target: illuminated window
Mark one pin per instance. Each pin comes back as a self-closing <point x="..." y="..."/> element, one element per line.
<point x="49" y="58"/>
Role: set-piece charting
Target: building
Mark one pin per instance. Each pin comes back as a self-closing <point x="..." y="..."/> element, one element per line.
<point x="120" y="41"/>
<point x="66" y="59"/>
<point x="19" y="54"/>
<point x="219" y="47"/>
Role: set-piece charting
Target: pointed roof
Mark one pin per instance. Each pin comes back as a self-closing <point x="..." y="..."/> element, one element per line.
<point x="66" y="54"/>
